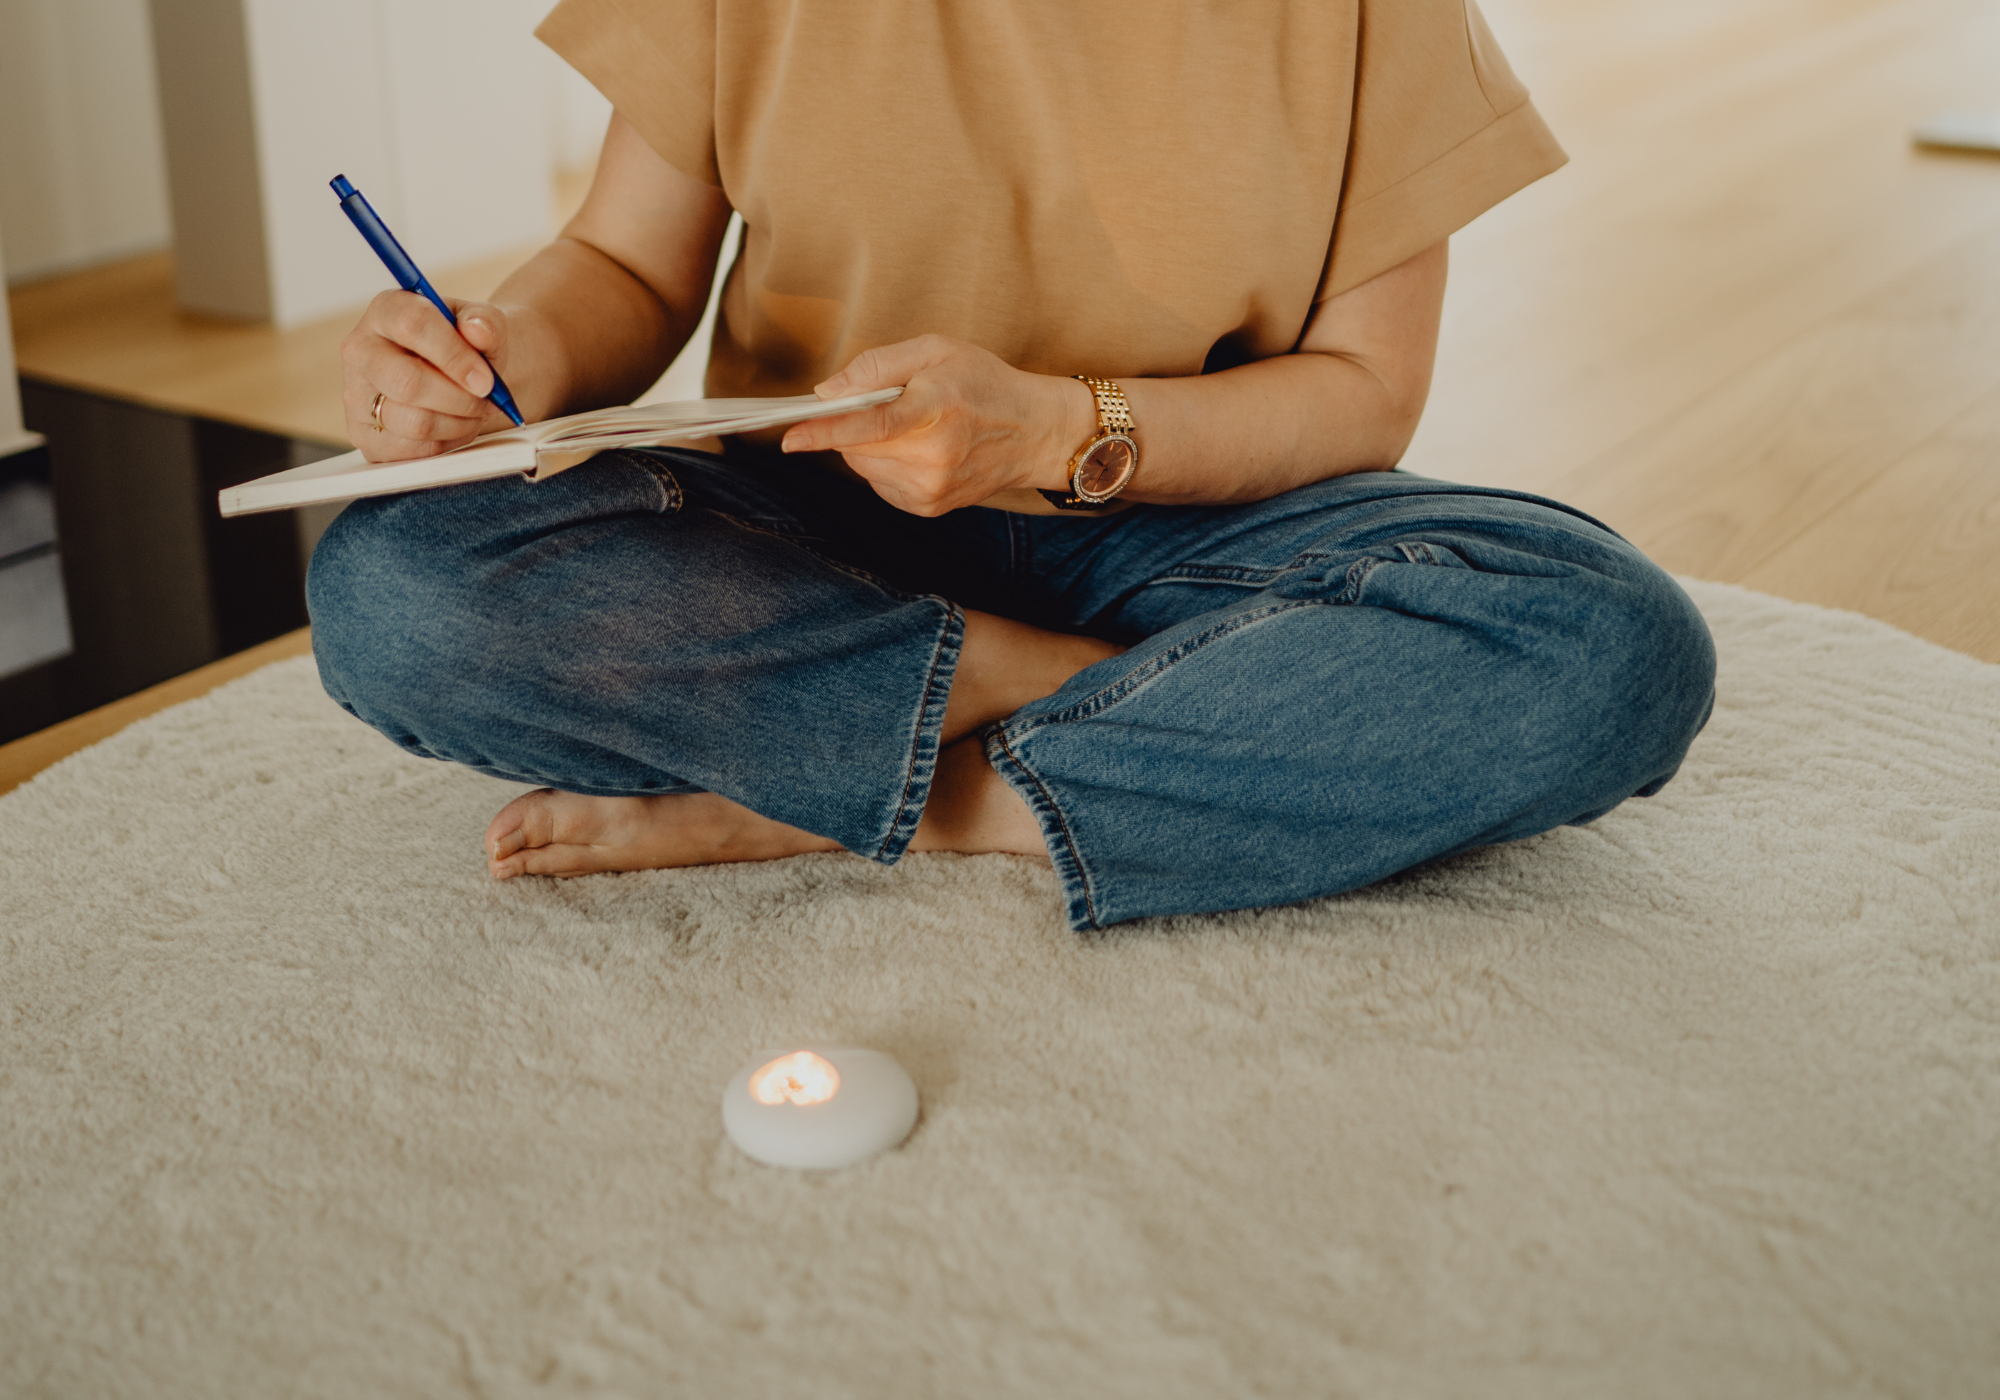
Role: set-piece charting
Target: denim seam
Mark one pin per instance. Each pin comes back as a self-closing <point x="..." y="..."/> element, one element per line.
<point x="1245" y="575"/>
<point x="1249" y="576"/>
<point x="1424" y="552"/>
<point x="663" y="476"/>
<point x="1357" y="577"/>
<point x="924" y="747"/>
<point x="1064" y="854"/>
<point x="762" y="525"/>
<point x="1101" y="700"/>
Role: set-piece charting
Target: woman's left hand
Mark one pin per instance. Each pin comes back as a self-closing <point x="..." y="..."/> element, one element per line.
<point x="967" y="424"/>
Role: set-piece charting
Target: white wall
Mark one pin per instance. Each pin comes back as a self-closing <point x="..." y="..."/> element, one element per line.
<point x="82" y="175"/>
<point x="578" y="114"/>
<point x="437" y="109"/>
<point x="13" y="437"/>
<point x="83" y="171"/>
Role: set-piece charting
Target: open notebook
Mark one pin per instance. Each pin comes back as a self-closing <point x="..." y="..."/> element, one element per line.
<point x="537" y="451"/>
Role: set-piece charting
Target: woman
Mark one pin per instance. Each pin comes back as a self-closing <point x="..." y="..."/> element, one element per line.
<point x="1178" y="629"/>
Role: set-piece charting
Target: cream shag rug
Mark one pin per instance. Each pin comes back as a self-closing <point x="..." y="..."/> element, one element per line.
<point x="1701" y="1100"/>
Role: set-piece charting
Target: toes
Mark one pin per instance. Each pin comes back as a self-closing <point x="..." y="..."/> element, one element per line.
<point x="525" y="821"/>
<point x="546" y="832"/>
<point x="535" y="860"/>
<point x="522" y="839"/>
<point x="558" y="860"/>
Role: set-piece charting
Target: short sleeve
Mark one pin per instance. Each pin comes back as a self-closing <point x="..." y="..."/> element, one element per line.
<point x="1442" y="132"/>
<point x="655" y="61"/>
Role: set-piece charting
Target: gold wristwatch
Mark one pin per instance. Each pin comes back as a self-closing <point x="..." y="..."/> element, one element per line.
<point x="1103" y="466"/>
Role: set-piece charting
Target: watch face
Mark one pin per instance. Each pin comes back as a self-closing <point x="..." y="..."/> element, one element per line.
<point x="1105" y="469"/>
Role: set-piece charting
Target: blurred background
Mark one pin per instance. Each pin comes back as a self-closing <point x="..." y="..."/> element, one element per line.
<point x="179" y="279"/>
<point x="1754" y="325"/>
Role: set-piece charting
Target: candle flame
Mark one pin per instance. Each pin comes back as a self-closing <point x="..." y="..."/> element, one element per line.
<point x="801" y="1078"/>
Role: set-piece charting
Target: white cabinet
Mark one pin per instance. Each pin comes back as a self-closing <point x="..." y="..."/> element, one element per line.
<point x="13" y="437"/>
<point x="437" y="109"/>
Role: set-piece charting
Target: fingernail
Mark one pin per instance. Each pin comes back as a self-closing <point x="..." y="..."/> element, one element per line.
<point x="480" y="382"/>
<point x="789" y="443"/>
<point x="830" y="388"/>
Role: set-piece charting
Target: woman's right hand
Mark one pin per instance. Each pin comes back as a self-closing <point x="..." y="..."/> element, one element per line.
<point x="431" y="380"/>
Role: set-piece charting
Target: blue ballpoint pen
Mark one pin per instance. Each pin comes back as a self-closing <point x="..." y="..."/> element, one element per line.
<point x="405" y="272"/>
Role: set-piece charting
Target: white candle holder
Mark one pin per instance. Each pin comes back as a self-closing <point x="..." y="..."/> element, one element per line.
<point x="819" y="1108"/>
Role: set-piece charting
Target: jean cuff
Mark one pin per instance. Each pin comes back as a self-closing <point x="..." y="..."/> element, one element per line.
<point x="1057" y="834"/>
<point x="922" y="768"/>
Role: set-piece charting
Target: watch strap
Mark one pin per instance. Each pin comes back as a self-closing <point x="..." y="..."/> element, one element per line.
<point x="1114" y="415"/>
<point x="1069" y="500"/>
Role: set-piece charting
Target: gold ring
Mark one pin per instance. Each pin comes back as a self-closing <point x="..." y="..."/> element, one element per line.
<point x="375" y="413"/>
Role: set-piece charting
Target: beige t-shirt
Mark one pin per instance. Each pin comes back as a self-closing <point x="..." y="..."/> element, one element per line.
<point x="1123" y="188"/>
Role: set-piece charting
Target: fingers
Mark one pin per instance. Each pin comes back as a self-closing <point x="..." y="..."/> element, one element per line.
<point x="900" y="365"/>
<point x="432" y="381"/>
<point x="884" y="421"/>
<point x="408" y="379"/>
<point x="404" y="431"/>
<point x="408" y="320"/>
<point x="886" y="365"/>
<point x="484" y="327"/>
<point x="408" y="421"/>
<point x="409" y="351"/>
<point x="387" y="446"/>
<point x="962" y="428"/>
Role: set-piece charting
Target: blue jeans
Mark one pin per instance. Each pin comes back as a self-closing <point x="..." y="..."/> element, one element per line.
<point x="1321" y="689"/>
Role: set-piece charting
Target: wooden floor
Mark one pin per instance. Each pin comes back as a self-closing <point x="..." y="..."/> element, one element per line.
<point x="1750" y="326"/>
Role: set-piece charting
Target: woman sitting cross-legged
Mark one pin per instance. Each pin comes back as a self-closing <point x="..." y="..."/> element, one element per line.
<point x="1124" y="579"/>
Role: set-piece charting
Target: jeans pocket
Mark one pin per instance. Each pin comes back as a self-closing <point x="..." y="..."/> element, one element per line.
<point x="656" y="465"/>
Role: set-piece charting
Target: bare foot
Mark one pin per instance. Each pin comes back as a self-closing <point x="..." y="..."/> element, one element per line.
<point x="1002" y="666"/>
<point x="546" y="832"/>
